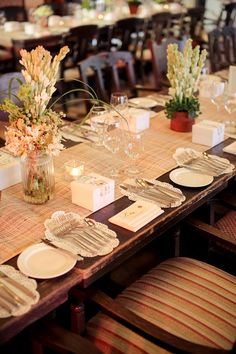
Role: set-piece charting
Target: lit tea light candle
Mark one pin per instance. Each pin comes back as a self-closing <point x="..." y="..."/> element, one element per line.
<point x="74" y="169"/>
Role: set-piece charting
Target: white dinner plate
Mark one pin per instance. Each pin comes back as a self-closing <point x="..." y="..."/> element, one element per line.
<point x="143" y="102"/>
<point x="187" y="178"/>
<point x="44" y="262"/>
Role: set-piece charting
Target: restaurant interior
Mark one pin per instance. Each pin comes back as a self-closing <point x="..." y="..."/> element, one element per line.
<point x="117" y="176"/>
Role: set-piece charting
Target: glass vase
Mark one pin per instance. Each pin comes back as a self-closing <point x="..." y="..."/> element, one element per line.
<point x="38" y="182"/>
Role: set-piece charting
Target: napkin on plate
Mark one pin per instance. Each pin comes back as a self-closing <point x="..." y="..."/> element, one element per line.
<point x="136" y="215"/>
<point x="231" y="148"/>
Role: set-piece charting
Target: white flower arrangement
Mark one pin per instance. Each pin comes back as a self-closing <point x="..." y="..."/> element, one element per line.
<point x="184" y="71"/>
<point x="43" y="11"/>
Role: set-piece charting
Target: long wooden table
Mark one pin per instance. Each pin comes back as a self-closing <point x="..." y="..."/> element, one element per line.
<point x="55" y="291"/>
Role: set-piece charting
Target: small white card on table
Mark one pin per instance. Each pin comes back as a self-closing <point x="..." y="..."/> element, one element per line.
<point x="136" y="215"/>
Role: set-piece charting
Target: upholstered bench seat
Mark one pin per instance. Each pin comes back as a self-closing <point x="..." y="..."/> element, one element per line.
<point x="186" y="297"/>
<point x="112" y="338"/>
<point x="228" y="225"/>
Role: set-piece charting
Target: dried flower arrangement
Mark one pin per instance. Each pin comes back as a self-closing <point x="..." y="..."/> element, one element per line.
<point x="34" y="127"/>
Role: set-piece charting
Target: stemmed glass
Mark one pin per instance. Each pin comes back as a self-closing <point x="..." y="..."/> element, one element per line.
<point x="230" y="107"/>
<point x="113" y="138"/>
<point x="98" y="115"/>
<point x="133" y="149"/>
<point x="119" y="101"/>
<point x="217" y="93"/>
<point x="2" y="18"/>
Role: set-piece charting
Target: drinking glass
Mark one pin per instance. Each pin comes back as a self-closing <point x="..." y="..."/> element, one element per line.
<point x="230" y="107"/>
<point x="113" y="138"/>
<point x="230" y="102"/>
<point x="2" y="18"/>
<point x="134" y="149"/>
<point x="119" y="101"/>
<point x="217" y="93"/>
<point x="98" y="115"/>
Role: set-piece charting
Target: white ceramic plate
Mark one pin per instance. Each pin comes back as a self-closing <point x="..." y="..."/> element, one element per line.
<point x="143" y="102"/>
<point x="187" y="178"/>
<point x="44" y="262"/>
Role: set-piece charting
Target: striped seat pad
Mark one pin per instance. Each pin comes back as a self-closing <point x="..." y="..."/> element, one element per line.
<point x="189" y="299"/>
<point x="228" y="225"/>
<point x="113" y="338"/>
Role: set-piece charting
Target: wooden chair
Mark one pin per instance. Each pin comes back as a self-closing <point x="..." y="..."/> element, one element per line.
<point x="121" y="65"/>
<point x="15" y="13"/>
<point x="194" y="25"/>
<point x="80" y="41"/>
<point x="160" y="25"/>
<point x="51" y="43"/>
<point x="219" y="228"/>
<point x="104" y="38"/>
<point x="4" y="86"/>
<point x="131" y="33"/>
<point x="7" y="63"/>
<point x="159" y="60"/>
<point x="91" y="71"/>
<point x="227" y="15"/>
<point x="108" y="72"/>
<point x="222" y="48"/>
<point x="182" y="305"/>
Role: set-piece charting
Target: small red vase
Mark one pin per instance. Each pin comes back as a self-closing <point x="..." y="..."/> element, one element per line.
<point x="133" y="9"/>
<point x="181" y="122"/>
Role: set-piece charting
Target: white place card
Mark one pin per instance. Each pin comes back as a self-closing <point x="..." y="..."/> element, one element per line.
<point x="136" y="215"/>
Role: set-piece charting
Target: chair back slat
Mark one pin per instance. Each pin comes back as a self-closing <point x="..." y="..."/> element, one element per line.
<point x="222" y="48"/>
<point x="80" y="41"/>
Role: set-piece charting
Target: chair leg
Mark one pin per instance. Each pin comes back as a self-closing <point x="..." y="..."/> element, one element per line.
<point x="177" y="233"/>
<point x="37" y="347"/>
<point x="77" y="322"/>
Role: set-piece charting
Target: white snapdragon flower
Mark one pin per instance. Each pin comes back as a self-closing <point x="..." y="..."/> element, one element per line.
<point x="184" y="69"/>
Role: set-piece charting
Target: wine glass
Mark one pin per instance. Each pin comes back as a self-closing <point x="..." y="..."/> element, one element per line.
<point x="217" y="92"/>
<point x="2" y="18"/>
<point x="230" y="107"/>
<point x="113" y="138"/>
<point x="230" y="102"/>
<point x="119" y="101"/>
<point x="98" y="115"/>
<point x="133" y="149"/>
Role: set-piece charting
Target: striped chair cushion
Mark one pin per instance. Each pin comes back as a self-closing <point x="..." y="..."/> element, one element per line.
<point x="228" y="225"/>
<point x="113" y="338"/>
<point x="188" y="298"/>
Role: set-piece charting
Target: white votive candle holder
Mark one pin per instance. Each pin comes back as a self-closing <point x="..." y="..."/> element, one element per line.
<point x="73" y="170"/>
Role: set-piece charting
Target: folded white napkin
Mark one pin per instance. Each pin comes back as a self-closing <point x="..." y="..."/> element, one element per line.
<point x="231" y="149"/>
<point x="136" y="215"/>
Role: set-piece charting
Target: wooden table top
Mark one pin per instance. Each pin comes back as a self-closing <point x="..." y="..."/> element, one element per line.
<point x="54" y="292"/>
